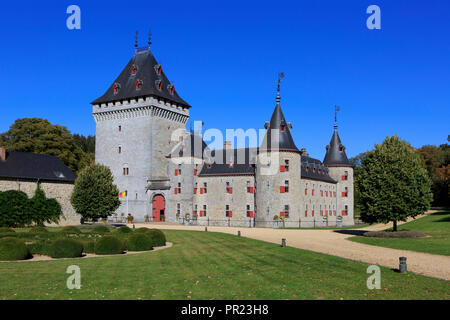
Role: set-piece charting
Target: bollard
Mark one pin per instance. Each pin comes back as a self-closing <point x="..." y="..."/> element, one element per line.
<point x="239" y="233"/>
<point x="283" y="242"/>
<point x="206" y="228"/>
<point x="134" y="227"/>
<point x="402" y="266"/>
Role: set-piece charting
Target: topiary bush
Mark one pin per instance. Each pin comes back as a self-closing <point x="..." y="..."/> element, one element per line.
<point x="89" y="246"/>
<point x="124" y="229"/>
<point x="13" y="249"/>
<point x="109" y="245"/>
<point x="40" y="247"/>
<point x="140" y="242"/>
<point x="142" y="230"/>
<point x="71" y="230"/>
<point x="158" y="237"/>
<point x="66" y="248"/>
<point x="100" y="229"/>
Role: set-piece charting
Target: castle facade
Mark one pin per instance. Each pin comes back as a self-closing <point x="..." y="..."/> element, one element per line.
<point x="182" y="180"/>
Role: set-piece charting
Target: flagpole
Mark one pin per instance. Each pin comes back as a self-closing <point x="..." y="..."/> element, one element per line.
<point x="127" y="203"/>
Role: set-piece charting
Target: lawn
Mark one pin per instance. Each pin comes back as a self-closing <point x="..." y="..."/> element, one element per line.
<point x="437" y="226"/>
<point x="208" y="265"/>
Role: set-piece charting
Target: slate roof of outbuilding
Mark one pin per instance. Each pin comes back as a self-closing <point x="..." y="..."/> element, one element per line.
<point x="32" y="166"/>
<point x="145" y="63"/>
<point x="243" y="162"/>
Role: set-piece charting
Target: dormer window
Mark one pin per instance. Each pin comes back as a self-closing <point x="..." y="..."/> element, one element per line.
<point x="116" y="88"/>
<point x="341" y="148"/>
<point x="133" y="70"/>
<point x="283" y="127"/>
<point x="159" y="85"/>
<point x="138" y="84"/>
<point x="171" y="88"/>
<point x="158" y="69"/>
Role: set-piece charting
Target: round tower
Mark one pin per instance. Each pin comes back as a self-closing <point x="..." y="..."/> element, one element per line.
<point x="341" y="170"/>
<point x="278" y="172"/>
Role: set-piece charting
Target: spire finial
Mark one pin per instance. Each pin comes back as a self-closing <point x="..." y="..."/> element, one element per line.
<point x="136" y="40"/>
<point x="336" y="109"/>
<point x="149" y="37"/>
<point x="280" y="76"/>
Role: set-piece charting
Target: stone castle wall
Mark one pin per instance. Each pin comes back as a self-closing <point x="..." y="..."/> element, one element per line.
<point x="59" y="191"/>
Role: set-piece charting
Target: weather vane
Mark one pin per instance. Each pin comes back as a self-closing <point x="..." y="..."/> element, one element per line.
<point x="149" y="37"/>
<point x="136" y="40"/>
<point x="336" y="109"/>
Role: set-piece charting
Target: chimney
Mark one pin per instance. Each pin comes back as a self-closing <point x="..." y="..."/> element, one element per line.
<point x="227" y="145"/>
<point x="2" y="153"/>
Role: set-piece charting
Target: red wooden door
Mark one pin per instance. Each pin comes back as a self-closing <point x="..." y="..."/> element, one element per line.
<point x="159" y="206"/>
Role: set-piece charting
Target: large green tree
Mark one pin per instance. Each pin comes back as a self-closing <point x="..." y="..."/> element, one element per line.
<point x="392" y="183"/>
<point x="37" y="135"/>
<point x="95" y="195"/>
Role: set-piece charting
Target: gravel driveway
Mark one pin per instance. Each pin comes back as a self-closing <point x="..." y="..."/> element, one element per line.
<point x="336" y="244"/>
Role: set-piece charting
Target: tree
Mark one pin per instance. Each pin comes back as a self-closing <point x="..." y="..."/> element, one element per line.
<point x="37" y="135"/>
<point x="392" y="183"/>
<point x="357" y="163"/>
<point x="44" y="210"/>
<point x="95" y="196"/>
<point x="14" y="209"/>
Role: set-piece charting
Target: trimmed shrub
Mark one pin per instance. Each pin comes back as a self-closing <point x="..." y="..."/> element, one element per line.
<point x="142" y="230"/>
<point x="159" y="239"/>
<point x="6" y="230"/>
<point x="89" y="246"/>
<point x="139" y="242"/>
<point x="40" y="247"/>
<point x="123" y="229"/>
<point x="13" y="249"/>
<point x="100" y="229"/>
<point x="14" y="209"/>
<point x="71" y="230"/>
<point x="66" y="248"/>
<point x="109" y="245"/>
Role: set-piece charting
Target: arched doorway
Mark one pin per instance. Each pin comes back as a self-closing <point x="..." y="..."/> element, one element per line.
<point x="158" y="207"/>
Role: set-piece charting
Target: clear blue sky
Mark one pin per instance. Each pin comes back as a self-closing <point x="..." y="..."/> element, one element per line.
<point x="223" y="57"/>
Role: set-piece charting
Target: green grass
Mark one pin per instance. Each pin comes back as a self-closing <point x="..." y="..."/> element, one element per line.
<point x="208" y="265"/>
<point x="437" y="226"/>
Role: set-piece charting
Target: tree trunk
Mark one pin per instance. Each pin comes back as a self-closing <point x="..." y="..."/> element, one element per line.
<point x="395" y="226"/>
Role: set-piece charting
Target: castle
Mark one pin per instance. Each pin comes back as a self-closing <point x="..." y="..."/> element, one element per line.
<point x="182" y="180"/>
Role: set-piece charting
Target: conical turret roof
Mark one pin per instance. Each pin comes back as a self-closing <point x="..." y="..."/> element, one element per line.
<point x="141" y="77"/>
<point x="278" y="126"/>
<point x="335" y="155"/>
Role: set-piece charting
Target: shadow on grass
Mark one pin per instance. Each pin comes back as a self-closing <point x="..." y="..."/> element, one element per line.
<point x="442" y="213"/>
<point x="351" y="232"/>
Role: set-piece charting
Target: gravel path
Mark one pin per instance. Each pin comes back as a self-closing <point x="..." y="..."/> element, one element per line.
<point x="336" y="244"/>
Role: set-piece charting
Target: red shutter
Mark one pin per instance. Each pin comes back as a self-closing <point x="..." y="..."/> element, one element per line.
<point x="281" y="189"/>
<point x="250" y="189"/>
<point x="312" y="191"/>
<point x="282" y="168"/>
<point x="306" y="213"/>
<point x="201" y="190"/>
<point x="251" y="214"/>
<point x="230" y="214"/>
<point x="195" y="190"/>
<point x="343" y="212"/>
<point x="201" y="213"/>
<point x="195" y="172"/>
<point x="175" y="190"/>
<point x="344" y="194"/>
<point x="282" y="214"/>
<point x="313" y="213"/>
<point x="306" y="191"/>
<point x="176" y="172"/>
<point x="230" y="190"/>
<point x="194" y="212"/>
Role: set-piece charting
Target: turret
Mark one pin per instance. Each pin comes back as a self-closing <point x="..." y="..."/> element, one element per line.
<point x="340" y="170"/>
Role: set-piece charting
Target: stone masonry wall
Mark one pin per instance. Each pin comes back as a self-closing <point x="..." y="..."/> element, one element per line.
<point x="60" y="191"/>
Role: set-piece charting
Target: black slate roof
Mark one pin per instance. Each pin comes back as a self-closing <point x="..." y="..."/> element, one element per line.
<point x="315" y="170"/>
<point x="146" y="72"/>
<point x="242" y="162"/>
<point x="191" y="146"/>
<point x="22" y="165"/>
<point x="335" y="155"/>
<point x="277" y="121"/>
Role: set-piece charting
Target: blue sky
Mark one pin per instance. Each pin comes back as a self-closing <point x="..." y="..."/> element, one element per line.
<point x="223" y="57"/>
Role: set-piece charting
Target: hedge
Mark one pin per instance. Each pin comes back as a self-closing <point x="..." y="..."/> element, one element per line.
<point x="39" y="229"/>
<point x="66" y="248"/>
<point x="124" y="229"/>
<point x="13" y="249"/>
<point x="100" y="229"/>
<point x="139" y="242"/>
<point x="71" y="230"/>
<point x="159" y="239"/>
<point x="6" y="230"/>
<point x="109" y="245"/>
